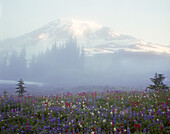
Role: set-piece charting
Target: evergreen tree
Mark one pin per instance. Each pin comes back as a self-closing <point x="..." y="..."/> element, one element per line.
<point x="22" y="66"/>
<point x="5" y="94"/>
<point x="4" y="67"/>
<point x="82" y="57"/>
<point x="21" y="90"/>
<point x="158" y="83"/>
<point x="13" y="67"/>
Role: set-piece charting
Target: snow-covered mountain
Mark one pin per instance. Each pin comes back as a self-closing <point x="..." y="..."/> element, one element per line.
<point x="93" y="37"/>
<point x="110" y="58"/>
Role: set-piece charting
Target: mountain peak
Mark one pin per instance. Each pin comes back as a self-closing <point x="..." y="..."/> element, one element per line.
<point x="94" y="37"/>
<point x="75" y="27"/>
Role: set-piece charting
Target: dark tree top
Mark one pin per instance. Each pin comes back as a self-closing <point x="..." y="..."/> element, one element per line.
<point x="158" y="83"/>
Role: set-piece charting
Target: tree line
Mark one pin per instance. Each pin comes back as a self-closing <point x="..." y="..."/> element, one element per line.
<point x="66" y="58"/>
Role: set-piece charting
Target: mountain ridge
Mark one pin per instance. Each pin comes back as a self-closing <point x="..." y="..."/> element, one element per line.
<point x="93" y="37"/>
<point x="90" y="55"/>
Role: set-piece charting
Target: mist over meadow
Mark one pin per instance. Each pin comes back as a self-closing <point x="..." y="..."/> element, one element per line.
<point x="109" y="45"/>
<point x="69" y="66"/>
<point x="84" y="66"/>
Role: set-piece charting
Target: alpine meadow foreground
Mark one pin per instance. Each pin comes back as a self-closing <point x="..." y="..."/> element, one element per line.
<point x="109" y="112"/>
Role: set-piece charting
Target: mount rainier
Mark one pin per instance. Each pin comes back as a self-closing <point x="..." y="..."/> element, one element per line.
<point x="108" y="57"/>
<point x="93" y="37"/>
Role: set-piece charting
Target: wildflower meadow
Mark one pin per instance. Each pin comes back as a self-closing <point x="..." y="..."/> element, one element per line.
<point x="109" y="112"/>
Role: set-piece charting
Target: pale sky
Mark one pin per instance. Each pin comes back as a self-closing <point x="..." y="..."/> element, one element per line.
<point x="144" y="19"/>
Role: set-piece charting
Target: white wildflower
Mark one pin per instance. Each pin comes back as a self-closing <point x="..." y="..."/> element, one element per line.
<point x="104" y="121"/>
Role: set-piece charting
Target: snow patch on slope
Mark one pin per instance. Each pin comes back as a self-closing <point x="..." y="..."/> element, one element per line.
<point x="93" y="37"/>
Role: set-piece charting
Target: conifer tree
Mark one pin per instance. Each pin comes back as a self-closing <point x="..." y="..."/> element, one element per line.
<point x="21" y="87"/>
<point x="158" y="83"/>
<point x="5" y="94"/>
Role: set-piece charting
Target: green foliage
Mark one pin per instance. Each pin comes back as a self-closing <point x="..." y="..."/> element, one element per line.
<point x="21" y="90"/>
<point x="158" y="83"/>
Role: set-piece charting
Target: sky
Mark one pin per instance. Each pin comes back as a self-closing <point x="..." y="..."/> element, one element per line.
<point x="144" y="19"/>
